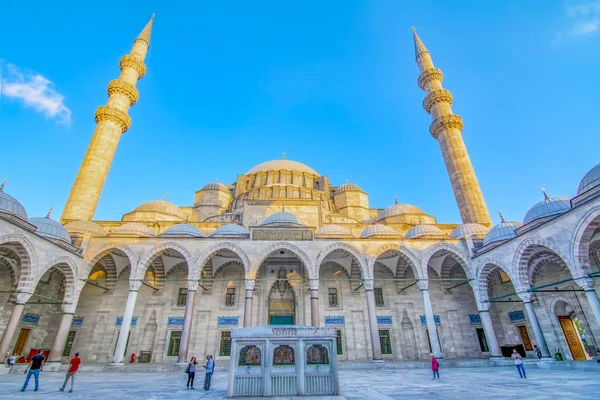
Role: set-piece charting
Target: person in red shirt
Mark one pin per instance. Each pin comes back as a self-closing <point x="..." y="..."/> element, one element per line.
<point x="435" y="366"/>
<point x="73" y="367"/>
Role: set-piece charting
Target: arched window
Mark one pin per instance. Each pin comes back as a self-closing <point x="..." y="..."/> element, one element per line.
<point x="249" y="356"/>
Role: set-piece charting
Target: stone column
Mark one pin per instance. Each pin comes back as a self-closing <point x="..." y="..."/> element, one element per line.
<point x="61" y="335"/>
<point x="313" y="284"/>
<point x="187" y="322"/>
<point x="430" y="319"/>
<point x="134" y="286"/>
<point x="588" y="285"/>
<point x="490" y="333"/>
<point x="248" y="302"/>
<point x="535" y="324"/>
<point x="374" y="329"/>
<point x="13" y="322"/>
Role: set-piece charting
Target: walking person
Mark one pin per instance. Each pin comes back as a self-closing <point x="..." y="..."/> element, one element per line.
<point x="191" y="371"/>
<point x="35" y="366"/>
<point x="73" y="367"/>
<point x="210" y="367"/>
<point x="11" y="361"/>
<point x="435" y="366"/>
<point x="537" y="351"/>
<point x="519" y="363"/>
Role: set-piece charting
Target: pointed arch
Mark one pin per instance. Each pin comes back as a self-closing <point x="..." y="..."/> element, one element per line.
<point x="69" y="269"/>
<point x="449" y="250"/>
<point x="200" y="262"/>
<point x="483" y="273"/>
<point x="156" y="251"/>
<point x="581" y="241"/>
<point x="362" y="263"/>
<point x="27" y="256"/>
<point x="94" y="255"/>
<point x="404" y="252"/>
<point x="282" y="246"/>
<point x="526" y="250"/>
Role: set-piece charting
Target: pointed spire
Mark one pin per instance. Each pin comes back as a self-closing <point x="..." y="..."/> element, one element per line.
<point x="146" y="32"/>
<point x="501" y="217"/>
<point x="283" y="156"/>
<point x="545" y="194"/>
<point x="419" y="46"/>
<point x="49" y="212"/>
<point x="217" y="180"/>
<point x="165" y="197"/>
<point x="2" y="186"/>
<point x="395" y="199"/>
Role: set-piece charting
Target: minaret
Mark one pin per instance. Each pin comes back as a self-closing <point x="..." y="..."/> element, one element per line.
<point x="446" y="128"/>
<point x="112" y="120"/>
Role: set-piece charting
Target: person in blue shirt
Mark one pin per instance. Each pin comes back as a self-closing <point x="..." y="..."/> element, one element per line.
<point x="210" y="367"/>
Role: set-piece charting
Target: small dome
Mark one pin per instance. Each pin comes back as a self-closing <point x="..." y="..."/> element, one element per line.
<point x="161" y="206"/>
<point x="378" y="230"/>
<point x="399" y="209"/>
<point x="347" y="186"/>
<point x="546" y="208"/>
<point x="10" y="205"/>
<point x="134" y="228"/>
<point x="465" y="230"/>
<point x="281" y="218"/>
<point x="215" y="186"/>
<point x="50" y="229"/>
<point x="285" y="165"/>
<point x="333" y="230"/>
<point x="230" y="230"/>
<point x="424" y="230"/>
<point x="183" y="230"/>
<point x="590" y="180"/>
<point x="503" y="231"/>
<point x="86" y="228"/>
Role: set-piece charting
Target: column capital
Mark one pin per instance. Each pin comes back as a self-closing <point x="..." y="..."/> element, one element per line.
<point x="192" y="285"/>
<point x="250" y="284"/>
<point x="69" y="308"/>
<point x="585" y="283"/>
<point x="313" y="284"/>
<point x="423" y="284"/>
<point x="134" y="285"/>
<point x="369" y="283"/>
<point x="527" y="297"/>
<point x="484" y="307"/>
<point x="23" y="297"/>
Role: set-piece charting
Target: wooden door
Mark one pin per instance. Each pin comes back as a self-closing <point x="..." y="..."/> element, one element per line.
<point x="525" y="337"/>
<point x="21" y="341"/>
<point x="572" y="338"/>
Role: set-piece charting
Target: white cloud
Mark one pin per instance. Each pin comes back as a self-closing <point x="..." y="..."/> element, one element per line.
<point x="582" y="19"/>
<point x="34" y="91"/>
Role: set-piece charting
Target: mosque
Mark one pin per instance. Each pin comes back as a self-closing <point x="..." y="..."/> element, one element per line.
<point x="282" y="245"/>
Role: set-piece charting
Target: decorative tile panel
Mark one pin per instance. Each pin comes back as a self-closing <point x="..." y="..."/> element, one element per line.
<point x="77" y="321"/>
<point x="30" y="319"/>
<point x="335" y="320"/>
<point x="475" y="318"/>
<point x="175" y="321"/>
<point x="119" y="321"/>
<point x="384" y="320"/>
<point x="516" y="316"/>
<point x="436" y="318"/>
<point x="228" y="321"/>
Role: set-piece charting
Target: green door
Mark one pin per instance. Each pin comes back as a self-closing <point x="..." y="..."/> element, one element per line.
<point x="281" y="320"/>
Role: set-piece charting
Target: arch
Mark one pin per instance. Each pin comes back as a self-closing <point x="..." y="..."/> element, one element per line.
<point x="581" y="240"/>
<point x="26" y="253"/>
<point x="404" y="252"/>
<point x="482" y="275"/>
<point x="94" y="255"/>
<point x="69" y="269"/>
<point x="200" y="262"/>
<point x="458" y="255"/>
<point x="282" y="246"/>
<point x="155" y="252"/>
<point x="340" y="246"/>
<point x="526" y="251"/>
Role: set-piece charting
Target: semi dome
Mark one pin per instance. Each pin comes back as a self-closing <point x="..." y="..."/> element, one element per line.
<point x="347" y="186"/>
<point x="590" y="180"/>
<point x="50" y="229"/>
<point x="86" y="228"/>
<point x="503" y="231"/>
<point x="333" y="230"/>
<point x="230" y="230"/>
<point x="183" y="230"/>
<point x="548" y="207"/>
<point x="215" y="186"/>
<point x="161" y="206"/>
<point x="10" y="205"/>
<point x="465" y="230"/>
<point x="281" y="218"/>
<point x="134" y="228"/>
<point x="286" y="165"/>
<point x="378" y="230"/>
<point x="399" y="209"/>
<point x="424" y="230"/>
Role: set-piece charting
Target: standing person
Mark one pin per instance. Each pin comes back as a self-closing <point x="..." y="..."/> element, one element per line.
<point x="519" y="363"/>
<point x="73" y="367"/>
<point x="11" y="361"/>
<point x="538" y="352"/>
<point x="435" y="366"/>
<point x="35" y="366"/>
<point x="191" y="371"/>
<point x="210" y="367"/>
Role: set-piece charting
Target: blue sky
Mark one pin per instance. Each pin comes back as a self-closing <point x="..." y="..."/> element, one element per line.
<point x="333" y="84"/>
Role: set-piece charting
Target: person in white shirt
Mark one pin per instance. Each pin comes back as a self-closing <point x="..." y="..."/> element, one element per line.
<point x="519" y="363"/>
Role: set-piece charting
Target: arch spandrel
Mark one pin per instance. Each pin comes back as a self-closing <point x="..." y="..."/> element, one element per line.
<point x="403" y="251"/>
<point x="525" y="251"/>
<point x="581" y="240"/>
<point x="351" y="250"/>
<point x="198" y="266"/>
<point x="148" y="258"/>
<point x="27" y="256"/>
<point x="258" y="261"/>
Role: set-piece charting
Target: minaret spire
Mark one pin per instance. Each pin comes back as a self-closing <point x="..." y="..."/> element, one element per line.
<point x="446" y="128"/>
<point x="111" y="121"/>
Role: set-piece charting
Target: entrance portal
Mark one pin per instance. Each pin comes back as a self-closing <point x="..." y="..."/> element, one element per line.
<point x="572" y="337"/>
<point x="282" y="301"/>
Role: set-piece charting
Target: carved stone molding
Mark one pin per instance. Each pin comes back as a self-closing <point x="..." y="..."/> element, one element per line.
<point x="134" y="285"/>
<point x="250" y="284"/>
<point x="313" y="284"/>
<point x="115" y="115"/>
<point x="445" y="122"/>
<point x="431" y="74"/>
<point x="69" y="308"/>
<point x="117" y="86"/>
<point x="423" y="284"/>
<point x="192" y="285"/>
<point x="369" y="284"/>
<point x="438" y="96"/>
<point x="129" y="62"/>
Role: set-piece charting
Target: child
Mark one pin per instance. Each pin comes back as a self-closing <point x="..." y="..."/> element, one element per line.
<point x="435" y="366"/>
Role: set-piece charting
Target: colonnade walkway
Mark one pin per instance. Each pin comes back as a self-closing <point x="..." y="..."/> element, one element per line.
<point x="455" y="383"/>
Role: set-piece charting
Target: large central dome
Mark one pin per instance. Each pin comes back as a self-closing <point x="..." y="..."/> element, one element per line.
<point x="286" y="165"/>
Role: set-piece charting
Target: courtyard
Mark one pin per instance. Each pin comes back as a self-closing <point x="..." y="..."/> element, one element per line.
<point x="455" y="383"/>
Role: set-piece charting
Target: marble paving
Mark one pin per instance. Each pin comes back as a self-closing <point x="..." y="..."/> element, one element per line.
<point x="455" y="383"/>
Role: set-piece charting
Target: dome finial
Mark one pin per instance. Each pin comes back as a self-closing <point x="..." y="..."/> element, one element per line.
<point x="217" y="180"/>
<point x="283" y="156"/>
<point x="501" y="217"/>
<point x="165" y="197"/>
<point x="49" y="212"/>
<point x="395" y="199"/>
<point x="2" y="186"/>
<point x="346" y="180"/>
<point x="545" y="194"/>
